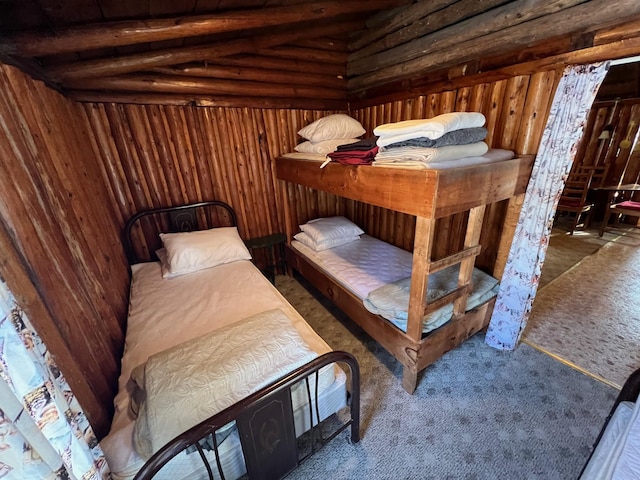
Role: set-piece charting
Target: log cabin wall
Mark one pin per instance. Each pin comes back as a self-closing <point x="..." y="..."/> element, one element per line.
<point x="59" y="238"/>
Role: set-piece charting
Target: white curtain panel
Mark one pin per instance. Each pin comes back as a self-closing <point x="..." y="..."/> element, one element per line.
<point x="573" y="99"/>
<point x="43" y="431"/>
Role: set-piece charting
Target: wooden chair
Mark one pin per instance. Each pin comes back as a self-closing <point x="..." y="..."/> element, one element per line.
<point x="628" y="207"/>
<point x="574" y="198"/>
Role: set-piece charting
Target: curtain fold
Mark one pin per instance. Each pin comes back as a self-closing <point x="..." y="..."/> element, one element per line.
<point x="44" y="433"/>
<point x="573" y="99"/>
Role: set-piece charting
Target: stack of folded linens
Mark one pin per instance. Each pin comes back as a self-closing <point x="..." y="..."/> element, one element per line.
<point x="418" y="143"/>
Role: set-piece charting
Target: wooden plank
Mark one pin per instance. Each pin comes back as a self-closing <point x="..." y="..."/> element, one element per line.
<point x="437" y="265"/>
<point x="384" y="187"/>
<point x="422" y="247"/>
<point x="457" y="190"/>
<point x="472" y="237"/>
<point x="307" y="54"/>
<point x="510" y="223"/>
<point x="112" y="34"/>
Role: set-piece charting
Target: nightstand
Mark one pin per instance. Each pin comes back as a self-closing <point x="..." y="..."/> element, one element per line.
<point x="274" y="259"/>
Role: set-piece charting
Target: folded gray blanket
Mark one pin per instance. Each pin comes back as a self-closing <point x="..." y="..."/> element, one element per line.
<point x="463" y="136"/>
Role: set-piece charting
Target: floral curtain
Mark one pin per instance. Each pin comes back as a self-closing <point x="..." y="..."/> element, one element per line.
<point x="43" y="432"/>
<point x="573" y="99"/>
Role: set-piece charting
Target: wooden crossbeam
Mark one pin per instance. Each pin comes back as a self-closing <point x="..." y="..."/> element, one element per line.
<point x="106" y="67"/>
<point x="113" y="34"/>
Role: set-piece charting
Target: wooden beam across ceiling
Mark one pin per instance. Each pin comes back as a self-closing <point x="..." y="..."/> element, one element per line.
<point x="426" y="54"/>
<point x="113" y="34"/>
<point x="158" y="58"/>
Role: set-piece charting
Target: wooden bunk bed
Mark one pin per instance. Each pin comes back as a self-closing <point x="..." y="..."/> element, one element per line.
<point x="428" y="195"/>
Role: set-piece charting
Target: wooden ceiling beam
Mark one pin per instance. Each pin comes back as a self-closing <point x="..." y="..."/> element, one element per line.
<point x="308" y="54"/>
<point x="283" y="64"/>
<point x="106" y="67"/>
<point x="257" y="74"/>
<point x="114" y="34"/>
<point x="206" y="101"/>
<point x="177" y="84"/>
<point x="405" y="16"/>
<point x="448" y="39"/>
<point x="433" y="22"/>
<point x="582" y="18"/>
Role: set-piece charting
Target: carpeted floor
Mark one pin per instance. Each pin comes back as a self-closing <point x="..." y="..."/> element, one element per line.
<point x="477" y="413"/>
<point x="589" y="316"/>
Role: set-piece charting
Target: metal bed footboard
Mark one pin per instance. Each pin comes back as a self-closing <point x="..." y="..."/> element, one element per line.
<point x="265" y="423"/>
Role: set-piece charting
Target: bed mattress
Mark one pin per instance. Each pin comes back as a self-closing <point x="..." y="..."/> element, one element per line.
<point x="363" y="265"/>
<point x="617" y="455"/>
<point x="379" y="274"/>
<point x="210" y="299"/>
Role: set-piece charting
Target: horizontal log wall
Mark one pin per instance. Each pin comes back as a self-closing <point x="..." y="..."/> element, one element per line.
<point x="60" y="249"/>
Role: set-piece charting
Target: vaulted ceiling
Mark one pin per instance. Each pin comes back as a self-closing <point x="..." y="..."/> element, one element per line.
<point x="286" y="52"/>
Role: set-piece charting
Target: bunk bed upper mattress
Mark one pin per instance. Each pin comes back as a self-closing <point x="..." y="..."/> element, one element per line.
<point x="167" y="312"/>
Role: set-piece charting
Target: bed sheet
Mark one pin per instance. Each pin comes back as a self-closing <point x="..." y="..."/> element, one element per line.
<point x="369" y="265"/>
<point x="211" y="299"/>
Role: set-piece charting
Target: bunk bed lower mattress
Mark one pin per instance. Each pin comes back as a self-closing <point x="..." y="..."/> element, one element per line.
<point x="167" y="312"/>
<point x="371" y="269"/>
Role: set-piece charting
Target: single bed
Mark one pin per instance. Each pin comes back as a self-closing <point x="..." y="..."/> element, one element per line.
<point x="427" y="194"/>
<point x="166" y="314"/>
<point x="616" y="452"/>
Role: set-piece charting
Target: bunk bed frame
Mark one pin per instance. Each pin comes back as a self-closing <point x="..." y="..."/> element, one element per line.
<point x="428" y="195"/>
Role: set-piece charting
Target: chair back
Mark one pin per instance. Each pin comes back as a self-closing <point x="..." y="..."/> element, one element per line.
<point x="576" y="189"/>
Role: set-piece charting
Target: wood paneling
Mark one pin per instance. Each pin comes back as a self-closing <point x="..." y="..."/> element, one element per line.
<point x="61" y="225"/>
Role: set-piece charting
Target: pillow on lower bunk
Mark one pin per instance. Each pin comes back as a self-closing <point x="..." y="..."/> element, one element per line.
<point x="330" y="228"/>
<point x="189" y="252"/>
<point x="305" y="239"/>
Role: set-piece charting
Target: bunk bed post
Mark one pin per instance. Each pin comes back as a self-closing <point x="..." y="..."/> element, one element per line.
<point x="472" y="238"/>
<point x="511" y="220"/>
<point x="422" y="247"/>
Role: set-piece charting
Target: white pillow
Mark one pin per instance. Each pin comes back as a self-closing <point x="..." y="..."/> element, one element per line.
<point x="305" y="239"/>
<point x="332" y="127"/>
<point x="192" y="251"/>
<point x="329" y="228"/>
<point x="324" y="147"/>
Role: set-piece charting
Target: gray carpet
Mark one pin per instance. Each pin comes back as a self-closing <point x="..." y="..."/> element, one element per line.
<point x="478" y="413"/>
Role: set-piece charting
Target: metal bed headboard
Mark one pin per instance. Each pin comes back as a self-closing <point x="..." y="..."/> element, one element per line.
<point x="148" y="224"/>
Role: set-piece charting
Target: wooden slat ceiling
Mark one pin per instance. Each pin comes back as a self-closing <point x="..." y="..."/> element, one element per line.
<point x="286" y="53"/>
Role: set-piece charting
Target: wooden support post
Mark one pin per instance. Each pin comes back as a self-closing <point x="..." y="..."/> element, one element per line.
<point x="474" y="227"/>
<point x="508" y="230"/>
<point x="422" y="247"/>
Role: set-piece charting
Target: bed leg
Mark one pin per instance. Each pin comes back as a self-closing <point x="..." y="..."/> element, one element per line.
<point x="409" y="379"/>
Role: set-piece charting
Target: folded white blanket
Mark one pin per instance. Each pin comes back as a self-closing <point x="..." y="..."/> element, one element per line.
<point x="431" y="155"/>
<point x="493" y="155"/>
<point x="199" y="378"/>
<point x="431" y="128"/>
<point x="391" y="301"/>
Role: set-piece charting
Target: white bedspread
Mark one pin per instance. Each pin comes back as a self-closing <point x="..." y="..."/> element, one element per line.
<point x="211" y="299"/>
<point x="197" y="379"/>
<point x="617" y="455"/>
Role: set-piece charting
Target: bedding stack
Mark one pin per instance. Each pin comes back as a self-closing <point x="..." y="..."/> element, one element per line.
<point x="327" y="133"/>
<point x="443" y="140"/>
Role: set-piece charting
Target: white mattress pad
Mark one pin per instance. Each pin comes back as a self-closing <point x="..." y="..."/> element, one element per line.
<point x="167" y="312"/>
<point x="362" y="265"/>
